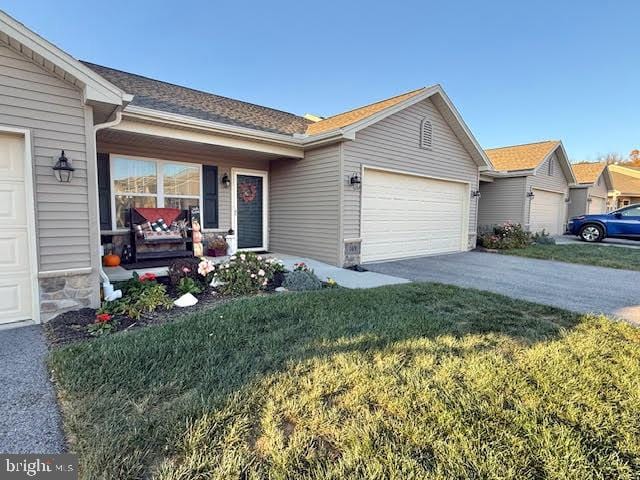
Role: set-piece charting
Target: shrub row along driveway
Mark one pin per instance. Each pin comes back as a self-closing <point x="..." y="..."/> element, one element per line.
<point x="579" y="288"/>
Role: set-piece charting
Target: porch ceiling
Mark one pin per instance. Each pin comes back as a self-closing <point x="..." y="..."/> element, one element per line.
<point x="128" y="143"/>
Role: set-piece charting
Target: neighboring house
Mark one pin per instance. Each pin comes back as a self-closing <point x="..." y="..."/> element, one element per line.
<point x="589" y="195"/>
<point x="394" y="179"/>
<point x="530" y="186"/>
<point x="625" y="183"/>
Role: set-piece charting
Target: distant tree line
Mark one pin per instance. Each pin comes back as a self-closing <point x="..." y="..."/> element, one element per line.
<point x="633" y="160"/>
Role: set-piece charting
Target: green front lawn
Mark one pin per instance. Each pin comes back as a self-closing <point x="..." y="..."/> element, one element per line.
<point x="410" y="381"/>
<point x="598" y="255"/>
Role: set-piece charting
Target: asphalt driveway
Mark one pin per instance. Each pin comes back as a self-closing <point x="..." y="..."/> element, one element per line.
<point x="30" y="420"/>
<point x="574" y="287"/>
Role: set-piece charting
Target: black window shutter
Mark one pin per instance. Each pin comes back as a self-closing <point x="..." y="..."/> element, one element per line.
<point x="104" y="191"/>
<point x="210" y="196"/>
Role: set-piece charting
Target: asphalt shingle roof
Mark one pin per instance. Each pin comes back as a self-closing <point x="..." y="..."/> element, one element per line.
<point x="588" y="172"/>
<point x="352" y="116"/>
<point x="167" y="97"/>
<point x="520" y="157"/>
<point x="625" y="184"/>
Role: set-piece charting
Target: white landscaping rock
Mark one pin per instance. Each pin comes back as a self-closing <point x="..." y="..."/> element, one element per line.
<point x="186" y="300"/>
<point x="281" y="289"/>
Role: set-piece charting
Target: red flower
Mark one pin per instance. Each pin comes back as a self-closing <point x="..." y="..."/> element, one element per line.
<point x="103" y="318"/>
<point x="147" y="276"/>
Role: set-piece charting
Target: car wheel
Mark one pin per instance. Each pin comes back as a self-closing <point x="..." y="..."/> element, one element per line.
<point x="591" y="233"/>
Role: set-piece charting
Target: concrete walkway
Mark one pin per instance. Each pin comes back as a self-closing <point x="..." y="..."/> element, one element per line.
<point x="579" y="288"/>
<point x="30" y="420"/>
<point x="345" y="278"/>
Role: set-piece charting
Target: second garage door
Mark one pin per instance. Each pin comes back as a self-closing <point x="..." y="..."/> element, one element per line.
<point x="597" y="205"/>
<point x="547" y="212"/>
<point x="408" y="216"/>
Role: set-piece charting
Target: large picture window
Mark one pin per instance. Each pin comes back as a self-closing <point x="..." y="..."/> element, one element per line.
<point x="152" y="183"/>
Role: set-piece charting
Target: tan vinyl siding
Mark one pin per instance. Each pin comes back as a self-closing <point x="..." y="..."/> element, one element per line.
<point x="192" y="153"/>
<point x="578" y="203"/>
<point x="394" y="143"/>
<point x="554" y="183"/>
<point x="304" y="205"/>
<point x="599" y="190"/>
<point x="501" y="201"/>
<point x="52" y="110"/>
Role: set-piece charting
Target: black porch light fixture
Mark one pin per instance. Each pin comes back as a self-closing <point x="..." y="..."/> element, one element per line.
<point x="226" y="181"/>
<point x="475" y="193"/>
<point x="63" y="169"/>
<point x="355" y="180"/>
<point x="530" y="194"/>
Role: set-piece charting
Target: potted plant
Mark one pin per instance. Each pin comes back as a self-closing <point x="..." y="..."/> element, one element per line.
<point x="218" y="246"/>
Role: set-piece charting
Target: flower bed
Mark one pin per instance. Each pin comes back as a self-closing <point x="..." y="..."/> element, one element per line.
<point x="148" y="300"/>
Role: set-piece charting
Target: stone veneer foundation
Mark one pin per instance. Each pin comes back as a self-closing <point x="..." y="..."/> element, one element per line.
<point x="62" y="293"/>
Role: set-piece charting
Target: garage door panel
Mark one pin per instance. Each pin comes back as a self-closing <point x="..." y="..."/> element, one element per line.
<point x="547" y="212"/>
<point x="16" y="289"/>
<point x="404" y="216"/>
<point x="597" y="205"/>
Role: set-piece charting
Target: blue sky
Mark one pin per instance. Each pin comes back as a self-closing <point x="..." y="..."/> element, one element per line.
<point x="517" y="71"/>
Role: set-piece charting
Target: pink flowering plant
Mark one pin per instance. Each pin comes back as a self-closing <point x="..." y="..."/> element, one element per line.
<point x="301" y="267"/>
<point x="505" y="237"/>
<point x="244" y="273"/>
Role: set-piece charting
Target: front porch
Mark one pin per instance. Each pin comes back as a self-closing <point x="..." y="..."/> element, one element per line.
<point x="230" y="186"/>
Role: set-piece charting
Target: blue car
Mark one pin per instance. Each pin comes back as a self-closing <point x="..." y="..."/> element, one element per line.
<point x="621" y="223"/>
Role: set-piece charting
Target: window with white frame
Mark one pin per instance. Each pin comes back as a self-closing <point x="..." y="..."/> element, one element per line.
<point x="152" y="183"/>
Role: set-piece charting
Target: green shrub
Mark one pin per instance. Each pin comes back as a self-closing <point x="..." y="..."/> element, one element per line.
<point x="543" y="238"/>
<point x="301" y="280"/>
<point x="505" y="237"/>
<point x="140" y="294"/>
<point x="189" y="285"/>
<point x="245" y="273"/>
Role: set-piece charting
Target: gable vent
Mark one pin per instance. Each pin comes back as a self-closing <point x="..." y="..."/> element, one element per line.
<point x="426" y="134"/>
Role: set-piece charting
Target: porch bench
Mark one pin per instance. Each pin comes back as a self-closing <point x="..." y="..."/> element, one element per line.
<point x="147" y="243"/>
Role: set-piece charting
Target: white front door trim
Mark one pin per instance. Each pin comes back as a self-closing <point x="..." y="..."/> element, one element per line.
<point x="265" y="204"/>
<point x="31" y="218"/>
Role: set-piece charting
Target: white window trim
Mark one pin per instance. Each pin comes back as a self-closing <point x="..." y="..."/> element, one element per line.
<point x="551" y="167"/>
<point x="426" y="120"/>
<point x="159" y="195"/>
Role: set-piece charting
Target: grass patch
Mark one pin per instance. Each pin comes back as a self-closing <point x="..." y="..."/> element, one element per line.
<point x="410" y="381"/>
<point x="601" y="256"/>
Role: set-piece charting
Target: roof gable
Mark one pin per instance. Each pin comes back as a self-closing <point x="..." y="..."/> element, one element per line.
<point x="350" y="117"/>
<point x="588" y="172"/>
<point x="521" y="157"/>
<point x="28" y="43"/>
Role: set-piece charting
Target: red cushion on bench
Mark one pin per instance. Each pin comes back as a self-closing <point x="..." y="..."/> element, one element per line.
<point x="153" y="214"/>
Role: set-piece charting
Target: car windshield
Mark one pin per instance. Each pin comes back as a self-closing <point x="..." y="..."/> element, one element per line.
<point x="633" y="211"/>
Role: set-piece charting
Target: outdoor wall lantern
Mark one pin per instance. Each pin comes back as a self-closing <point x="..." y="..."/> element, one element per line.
<point x="530" y="194"/>
<point x="567" y="199"/>
<point x="355" y="180"/>
<point x="63" y="169"/>
<point x="476" y="193"/>
<point x="226" y="181"/>
<point x="589" y="199"/>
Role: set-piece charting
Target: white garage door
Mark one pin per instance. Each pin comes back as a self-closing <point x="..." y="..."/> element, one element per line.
<point x="547" y="212"/>
<point x="408" y="216"/>
<point x="15" y="269"/>
<point x="597" y="205"/>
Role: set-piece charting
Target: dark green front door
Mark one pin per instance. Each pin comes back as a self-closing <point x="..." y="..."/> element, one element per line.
<point x="249" y="202"/>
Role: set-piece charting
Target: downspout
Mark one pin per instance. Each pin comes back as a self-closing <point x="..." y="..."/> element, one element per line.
<point x="107" y="287"/>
